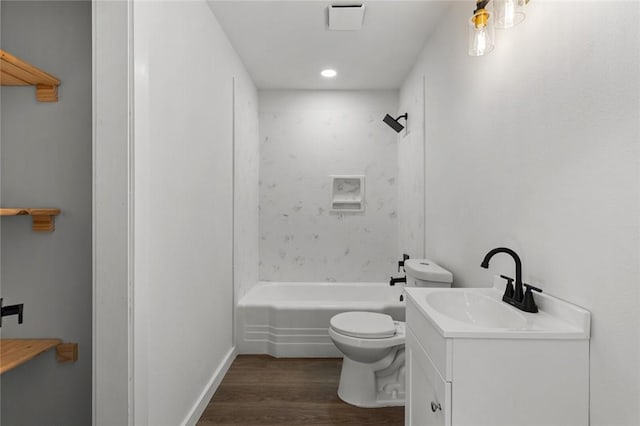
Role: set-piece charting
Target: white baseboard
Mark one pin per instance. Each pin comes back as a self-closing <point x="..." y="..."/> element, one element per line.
<point x="199" y="406"/>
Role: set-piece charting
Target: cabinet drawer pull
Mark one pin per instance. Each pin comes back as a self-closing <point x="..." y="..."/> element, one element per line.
<point x="435" y="406"/>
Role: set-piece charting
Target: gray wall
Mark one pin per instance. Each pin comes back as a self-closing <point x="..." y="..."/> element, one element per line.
<point x="46" y="162"/>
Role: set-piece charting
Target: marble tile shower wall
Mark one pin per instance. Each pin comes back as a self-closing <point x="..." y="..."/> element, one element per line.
<point x="411" y="160"/>
<point x="306" y="136"/>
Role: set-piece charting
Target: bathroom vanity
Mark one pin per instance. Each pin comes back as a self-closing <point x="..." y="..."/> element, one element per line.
<point x="474" y="360"/>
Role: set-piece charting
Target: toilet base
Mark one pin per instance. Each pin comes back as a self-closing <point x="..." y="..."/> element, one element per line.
<point x="380" y="384"/>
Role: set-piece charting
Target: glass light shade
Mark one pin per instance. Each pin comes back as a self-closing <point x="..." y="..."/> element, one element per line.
<point x="481" y="33"/>
<point x="508" y="13"/>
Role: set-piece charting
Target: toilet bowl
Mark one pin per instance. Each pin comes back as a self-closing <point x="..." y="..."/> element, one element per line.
<point x="373" y="368"/>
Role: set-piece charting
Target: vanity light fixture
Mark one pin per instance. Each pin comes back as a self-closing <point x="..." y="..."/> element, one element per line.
<point x="509" y="13"/>
<point x="481" y="30"/>
<point x="328" y="73"/>
<point x="505" y="14"/>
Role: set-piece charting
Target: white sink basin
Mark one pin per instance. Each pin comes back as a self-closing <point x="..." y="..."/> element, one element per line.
<point x="481" y="313"/>
<point x="475" y="309"/>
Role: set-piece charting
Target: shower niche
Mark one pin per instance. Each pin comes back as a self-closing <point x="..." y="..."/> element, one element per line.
<point x="347" y="193"/>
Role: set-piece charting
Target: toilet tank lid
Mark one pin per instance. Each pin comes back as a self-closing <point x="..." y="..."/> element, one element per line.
<point x="427" y="270"/>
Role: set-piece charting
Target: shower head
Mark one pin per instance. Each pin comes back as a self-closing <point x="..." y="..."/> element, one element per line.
<point x="393" y="122"/>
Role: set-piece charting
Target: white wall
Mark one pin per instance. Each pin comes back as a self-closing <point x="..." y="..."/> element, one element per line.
<point x="536" y="147"/>
<point x="246" y="191"/>
<point x="183" y="300"/>
<point x="112" y="213"/>
<point x="305" y="136"/>
<point x="46" y="162"/>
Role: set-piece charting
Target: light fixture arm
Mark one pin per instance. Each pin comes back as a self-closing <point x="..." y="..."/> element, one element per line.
<point x="405" y="116"/>
<point x="480" y="5"/>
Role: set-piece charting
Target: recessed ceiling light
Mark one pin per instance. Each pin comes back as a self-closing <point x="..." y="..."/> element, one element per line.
<point x="328" y="73"/>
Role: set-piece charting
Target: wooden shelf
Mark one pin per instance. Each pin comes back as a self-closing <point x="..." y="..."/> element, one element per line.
<point x="42" y="219"/>
<point x="15" y="352"/>
<point x="16" y="72"/>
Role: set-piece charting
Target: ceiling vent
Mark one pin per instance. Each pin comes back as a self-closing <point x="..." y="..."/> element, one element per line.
<point x="346" y="17"/>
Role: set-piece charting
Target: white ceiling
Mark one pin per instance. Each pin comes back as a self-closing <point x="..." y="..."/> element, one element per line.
<point x="285" y="44"/>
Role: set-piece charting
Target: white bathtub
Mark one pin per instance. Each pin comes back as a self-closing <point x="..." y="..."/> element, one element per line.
<point x="292" y="319"/>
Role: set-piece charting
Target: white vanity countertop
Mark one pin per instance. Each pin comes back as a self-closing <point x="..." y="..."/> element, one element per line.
<point x="467" y="313"/>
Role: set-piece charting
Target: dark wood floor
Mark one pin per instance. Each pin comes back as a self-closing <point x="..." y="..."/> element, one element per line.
<point x="265" y="391"/>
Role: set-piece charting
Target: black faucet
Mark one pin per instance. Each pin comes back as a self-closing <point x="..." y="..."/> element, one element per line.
<point x="517" y="295"/>
<point x="401" y="262"/>
<point x="514" y="296"/>
<point x="394" y="281"/>
<point x="11" y="310"/>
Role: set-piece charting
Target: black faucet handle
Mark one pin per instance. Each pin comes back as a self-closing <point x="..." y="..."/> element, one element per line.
<point x="508" y="289"/>
<point x="509" y="279"/>
<point x="529" y="287"/>
<point x="528" y="303"/>
<point x="401" y="262"/>
<point x="20" y="311"/>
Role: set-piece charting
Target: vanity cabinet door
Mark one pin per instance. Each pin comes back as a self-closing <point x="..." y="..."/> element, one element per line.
<point x="428" y="396"/>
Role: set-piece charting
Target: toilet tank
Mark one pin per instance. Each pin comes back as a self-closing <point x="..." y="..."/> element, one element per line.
<point x="426" y="273"/>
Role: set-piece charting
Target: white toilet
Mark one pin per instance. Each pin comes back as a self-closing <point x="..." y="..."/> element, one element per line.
<point x="373" y="345"/>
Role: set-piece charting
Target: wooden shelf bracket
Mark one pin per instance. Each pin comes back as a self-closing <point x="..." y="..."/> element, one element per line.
<point x="16" y="72"/>
<point x="67" y="352"/>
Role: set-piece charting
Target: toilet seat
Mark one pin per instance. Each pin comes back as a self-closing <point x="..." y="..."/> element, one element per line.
<point x="397" y="339"/>
<point x="366" y="325"/>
